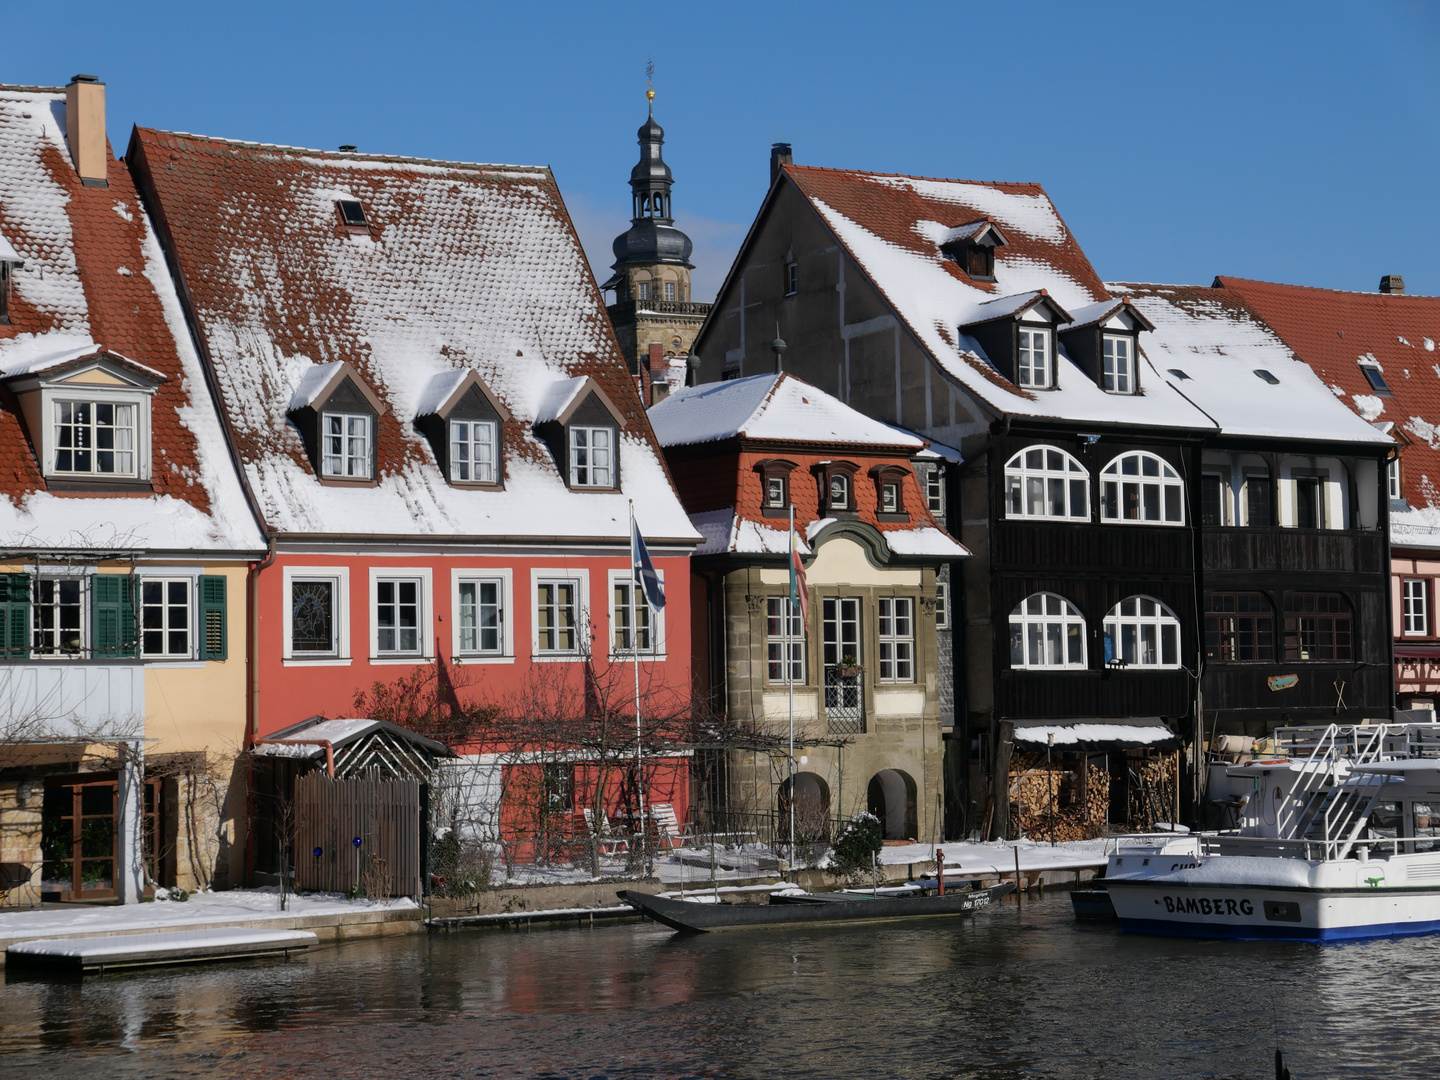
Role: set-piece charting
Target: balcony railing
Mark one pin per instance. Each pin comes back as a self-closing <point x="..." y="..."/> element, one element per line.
<point x="623" y="310"/>
<point x="844" y="703"/>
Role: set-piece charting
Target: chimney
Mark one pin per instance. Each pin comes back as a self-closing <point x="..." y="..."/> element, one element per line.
<point x="779" y="155"/>
<point x="85" y="129"/>
<point x="1393" y="283"/>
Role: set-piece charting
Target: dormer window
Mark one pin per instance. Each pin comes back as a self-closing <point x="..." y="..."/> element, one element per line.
<point x="890" y="492"/>
<point x="94" y="438"/>
<point x="972" y="248"/>
<point x="473" y="450"/>
<point x="4" y="293"/>
<point x="337" y="416"/>
<point x="592" y="457"/>
<point x="775" y="487"/>
<point x="836" y="481"/>
<point x="839" y="497"/>
<point x="889" y="498"/>
<point x="348" y="446"/>
<point x="1032" y="365"/>
<point x="465" y="424"/>
<point x="1118" y="364"/>
<point x="88" y="417"/>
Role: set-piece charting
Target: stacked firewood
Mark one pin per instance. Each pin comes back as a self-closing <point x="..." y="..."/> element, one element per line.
<point x="1046" y="802"/>
<point x="1152" y="798"/>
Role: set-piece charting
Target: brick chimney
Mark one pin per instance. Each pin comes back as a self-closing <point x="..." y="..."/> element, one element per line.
<point x="779" y="155"/>
<point x="85" y="129"/>
<point x="1392" y="283"/>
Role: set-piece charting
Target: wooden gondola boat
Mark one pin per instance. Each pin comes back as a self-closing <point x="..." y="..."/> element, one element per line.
<point x="789" y="910"/>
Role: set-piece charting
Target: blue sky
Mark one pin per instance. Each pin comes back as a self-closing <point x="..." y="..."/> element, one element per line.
<point x="1289" y="142"/>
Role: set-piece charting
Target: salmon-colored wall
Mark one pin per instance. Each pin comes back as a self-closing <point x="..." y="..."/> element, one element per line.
<point x="1415" y="675"/>
<point x="294" y="690"/>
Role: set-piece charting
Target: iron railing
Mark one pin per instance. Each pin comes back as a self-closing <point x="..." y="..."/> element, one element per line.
<point x="844" y="703"/>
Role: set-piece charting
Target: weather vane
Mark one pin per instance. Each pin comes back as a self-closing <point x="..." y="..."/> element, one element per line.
<point x="649" y="83"/>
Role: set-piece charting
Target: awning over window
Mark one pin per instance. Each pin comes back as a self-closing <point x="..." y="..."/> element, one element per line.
<point x="1096" y="735"/>
<point x="1417" y="652"/>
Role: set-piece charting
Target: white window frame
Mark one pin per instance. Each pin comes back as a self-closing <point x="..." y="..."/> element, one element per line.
<point x="669" y="288"/>
<point x="583" y="627"/>
<point x="84" y="582"/>
<point x="1030" y="372"/>
<point x="890" y="487"/>
<point x="1023" y="477"/>
<point x="59" y="397"/>
<point x="425" y="617"/>
<point x="642" y="290"/>
<point x="346" y="458"/>
<point x="1164" y="479"/>
<point x="778" y="609"/>
<point x="830" y="503"/>
<point x="490" y="444"/>
<point x="900" y="661"/>
<point x="340" y="576"/>
<point x="935" y="490"/>
<point x="657" y="649"/>
<point x="1117" y="370"/>
<point x="770" y="481"/>
<point x="1415" y="607"/>
<point x="190" y="613"/>
<point x="1029" y="622"/>
<point x="942" y="605"/>
<point x="591" y="468"/>
<point x="1160" y="621"/>
<point x="504" y="577"/>
<point x="1392" y="479"/>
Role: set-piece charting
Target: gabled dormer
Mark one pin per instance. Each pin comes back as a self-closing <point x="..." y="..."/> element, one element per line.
<point x="836" y="481"/>
<point x="1104" y="342"/>
<point x="1018" y="336"/>
<point x="337" y="415"/>
<point x="87" y="413"/>
<point x="465" y="424"/>
<point x="581" y="425"/>
<point x="972" y="248"/>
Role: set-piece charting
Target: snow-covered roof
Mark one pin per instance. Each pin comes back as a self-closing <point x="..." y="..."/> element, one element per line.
<point x="1105" y="733"/>
<point x="94" y="277"/>
<point x="776" y="407"/>
<point x="1208" y="345"/>
<point x="464" y="267"/>
<point x="893" y="227"/>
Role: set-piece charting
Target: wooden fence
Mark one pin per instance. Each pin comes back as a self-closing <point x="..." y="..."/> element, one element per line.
<point x="357" y="831"/>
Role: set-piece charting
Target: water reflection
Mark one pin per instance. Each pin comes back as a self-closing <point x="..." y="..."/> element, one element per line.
<point x="1008" y="994"/>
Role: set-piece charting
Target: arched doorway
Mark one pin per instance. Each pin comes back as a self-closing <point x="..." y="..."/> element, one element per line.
<point x="891" y="798"/>
<point x="812" y="808"/>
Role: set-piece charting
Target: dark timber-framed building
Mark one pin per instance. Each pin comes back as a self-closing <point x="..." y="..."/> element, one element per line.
<point x="968" y="312"/>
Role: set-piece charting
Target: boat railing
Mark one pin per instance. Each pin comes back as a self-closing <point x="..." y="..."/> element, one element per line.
<point x="1310" y="850"/>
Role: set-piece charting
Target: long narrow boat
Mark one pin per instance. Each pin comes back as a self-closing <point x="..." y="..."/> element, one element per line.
<point x="689" y="916"/>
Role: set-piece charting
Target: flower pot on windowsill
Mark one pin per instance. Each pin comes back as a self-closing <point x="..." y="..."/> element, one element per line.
<point x="849" y="671"/>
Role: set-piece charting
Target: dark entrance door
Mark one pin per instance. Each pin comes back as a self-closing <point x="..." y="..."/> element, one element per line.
<point x="81" y="835"/>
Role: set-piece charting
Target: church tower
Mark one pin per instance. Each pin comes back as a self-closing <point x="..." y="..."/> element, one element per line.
<point x="653" y="315"/>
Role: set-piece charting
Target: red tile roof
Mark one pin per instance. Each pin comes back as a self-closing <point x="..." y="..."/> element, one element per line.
<point x="465" y="266"/>
<point x="1332" y="331"/>
<point x="93" y="274"/>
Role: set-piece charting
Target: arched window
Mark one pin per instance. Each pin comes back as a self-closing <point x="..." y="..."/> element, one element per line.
<point x="1047" y="631"/>
<point x="1046" y="482"/>
<point x="1140" y="631"/>
<point x="1144" y="488"/>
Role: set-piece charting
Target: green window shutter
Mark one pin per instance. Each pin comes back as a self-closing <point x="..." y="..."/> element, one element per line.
<point x="15" y="614"/>
<point x="112" y="619"/>
<point x="212" y="617"/>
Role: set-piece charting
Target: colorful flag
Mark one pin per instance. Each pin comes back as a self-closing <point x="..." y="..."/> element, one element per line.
<point x="646" y="575"/>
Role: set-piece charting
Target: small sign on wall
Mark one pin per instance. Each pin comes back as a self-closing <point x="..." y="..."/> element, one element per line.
<point x="1282" y="682"/>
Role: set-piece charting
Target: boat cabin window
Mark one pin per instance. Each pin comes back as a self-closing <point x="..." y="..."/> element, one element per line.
<point x="1385" y="821"/>
<point x="1425" y="825"/>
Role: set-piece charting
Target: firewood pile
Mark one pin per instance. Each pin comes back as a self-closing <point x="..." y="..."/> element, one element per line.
<point x="1153" y="785"/>
<point x="1051" y="801"/>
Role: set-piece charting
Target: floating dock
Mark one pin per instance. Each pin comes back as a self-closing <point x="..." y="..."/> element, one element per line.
<point x="99" y="954"/>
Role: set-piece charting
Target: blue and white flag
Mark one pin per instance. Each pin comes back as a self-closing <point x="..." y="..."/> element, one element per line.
<point x="646" y="576"/>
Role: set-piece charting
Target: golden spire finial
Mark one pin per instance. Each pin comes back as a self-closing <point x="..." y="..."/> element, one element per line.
<point x="649" y="87"/>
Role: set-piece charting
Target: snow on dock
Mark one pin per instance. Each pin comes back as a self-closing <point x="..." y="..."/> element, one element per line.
<point x="139" y="950"/>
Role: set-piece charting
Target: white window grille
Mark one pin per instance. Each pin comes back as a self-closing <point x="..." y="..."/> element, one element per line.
<point x="165" y="616"/>
<point x="1416" y="607"/>
<point x="557" y="616"/>
<point x="622" y="640"/>
<point x="480" y="616"/>
<point x="780" y="611"/>
<point x="896" y="638"/>
<point x="1046" y="482"/>
<point x="95" y="437"/>
<point x="592" y="459"/>
<point x="346" y="450"/>
<point x="1143" y="488"/>
<point x="1118" y="364"/>
<point x="1046" y="631"/>
<point x="59" y="617"/>
<point x="472" y="451"/>
<point x="1142" y="632"/>
<point x="942" y="605"/>
<point x="397" y="616"/>
<point x="1033" y="363"/>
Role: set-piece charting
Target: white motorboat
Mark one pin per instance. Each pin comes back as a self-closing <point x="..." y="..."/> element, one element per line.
<point x="1338" y="839"/>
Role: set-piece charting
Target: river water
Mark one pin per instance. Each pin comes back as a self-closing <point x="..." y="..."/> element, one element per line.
<point x="1017" y="991"/>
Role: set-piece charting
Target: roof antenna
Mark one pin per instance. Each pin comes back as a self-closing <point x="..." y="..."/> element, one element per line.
<point x="649" y="86"/>
<point x="778" y="347"/>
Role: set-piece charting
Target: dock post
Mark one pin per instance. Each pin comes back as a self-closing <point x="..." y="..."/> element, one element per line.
<point x="1018" y="887"/>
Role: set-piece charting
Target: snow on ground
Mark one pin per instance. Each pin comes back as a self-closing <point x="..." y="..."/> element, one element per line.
<point x="998" y="856"/>
<point x="236" y="905"/>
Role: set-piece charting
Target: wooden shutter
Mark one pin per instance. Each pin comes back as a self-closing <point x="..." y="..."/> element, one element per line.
<point x="15" y="614"/>
<point x="112" y="620"/>
<point x="212" y="617"/>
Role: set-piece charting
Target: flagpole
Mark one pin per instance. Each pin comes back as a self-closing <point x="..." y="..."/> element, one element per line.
<point x="635" y="652"/>
<point x="792" y="603"/>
